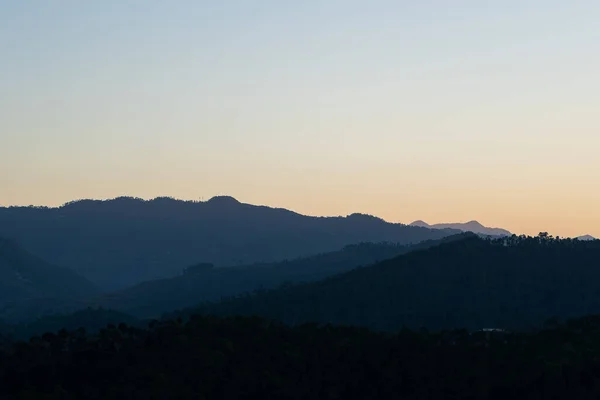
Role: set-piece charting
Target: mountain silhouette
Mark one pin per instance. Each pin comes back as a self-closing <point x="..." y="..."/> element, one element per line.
<point x="25" y="277"/>
<point x="473" y="283"/>
<point x="471" y="226"/>
<point x="120" y="242"/>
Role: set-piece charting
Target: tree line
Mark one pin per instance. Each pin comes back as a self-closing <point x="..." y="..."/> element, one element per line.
<point x="208" y="357"/>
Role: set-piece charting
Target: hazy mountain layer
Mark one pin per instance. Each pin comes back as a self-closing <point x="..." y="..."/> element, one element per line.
<point x="25" y="277"/>
<point x="124" y="241"/>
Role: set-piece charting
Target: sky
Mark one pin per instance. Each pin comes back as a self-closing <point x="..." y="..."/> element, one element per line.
<point x="437" y="110"/>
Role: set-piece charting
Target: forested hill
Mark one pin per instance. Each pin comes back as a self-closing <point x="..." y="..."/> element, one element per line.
<point x="204" y="282"/>
<point x="472" y="283"/>
<point x="121" y="242"/>
<point x="24" y="276"/>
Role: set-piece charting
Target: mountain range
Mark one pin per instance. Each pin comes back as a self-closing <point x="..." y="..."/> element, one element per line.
<point x="121" y="242"/>
<point x="163" y="251"/>
<point x="471" y="226"/>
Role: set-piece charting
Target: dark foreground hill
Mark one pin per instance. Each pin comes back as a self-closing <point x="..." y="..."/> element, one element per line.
<point x="121" y="242"/>
<point x="25" y="277"/>
<point x="472" y="283"/>
<point x="242" y="358"/>
<point x="204" y="282"/>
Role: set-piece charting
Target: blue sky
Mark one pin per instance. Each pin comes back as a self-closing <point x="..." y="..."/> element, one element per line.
<point x="434" y="110"/>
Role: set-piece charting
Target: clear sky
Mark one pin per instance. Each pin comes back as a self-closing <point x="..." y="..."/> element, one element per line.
<point x="433" y="109"/>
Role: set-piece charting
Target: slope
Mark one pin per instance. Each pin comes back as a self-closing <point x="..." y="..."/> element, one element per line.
<point x="25" y="277"/>
<point x="473" y="283"/>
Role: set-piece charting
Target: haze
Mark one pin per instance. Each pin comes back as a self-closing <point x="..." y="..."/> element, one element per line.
<point x="434" y="110"/>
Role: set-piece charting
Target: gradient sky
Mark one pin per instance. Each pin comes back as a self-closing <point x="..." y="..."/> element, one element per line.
<point x="434" y="109"/>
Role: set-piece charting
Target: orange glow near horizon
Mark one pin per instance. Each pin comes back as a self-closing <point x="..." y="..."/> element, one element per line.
<point x="438" y="111"/>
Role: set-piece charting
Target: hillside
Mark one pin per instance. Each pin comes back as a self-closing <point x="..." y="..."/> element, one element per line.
<point x="472" y="283"/>
<point x="151" y="299"/>
<point x="25" y="277"/>
<point x="471" y="226"/>
<point x="121" y="242"/>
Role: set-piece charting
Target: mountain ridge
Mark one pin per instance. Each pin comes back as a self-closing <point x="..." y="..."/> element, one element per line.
<point x="119" y="242"/>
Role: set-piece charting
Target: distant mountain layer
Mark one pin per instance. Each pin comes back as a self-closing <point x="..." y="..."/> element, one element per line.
<point x="24" y="277"/>
<point x="472" y="226"/>
<point x="121" y="242"/>
<point x="471" y="283"/>
<point x="586" y="238"/>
